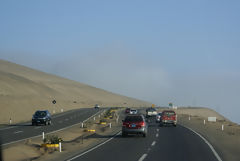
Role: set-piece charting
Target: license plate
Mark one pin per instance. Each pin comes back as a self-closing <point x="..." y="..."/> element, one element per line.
<point x="133" y="125"/>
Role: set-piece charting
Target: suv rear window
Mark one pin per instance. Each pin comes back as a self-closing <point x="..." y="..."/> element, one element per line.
<point x="133" y="119"/>
<point x="169" y="113"/>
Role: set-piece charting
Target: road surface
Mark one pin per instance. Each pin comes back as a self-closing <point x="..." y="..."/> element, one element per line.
<point x="14" y="133"/>
<point x="162" y="143"/>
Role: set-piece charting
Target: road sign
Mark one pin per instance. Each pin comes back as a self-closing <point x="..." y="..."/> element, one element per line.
<point x="54" y="101"/>
<point x="153" y="105"/>
<point x="170" y="104"/>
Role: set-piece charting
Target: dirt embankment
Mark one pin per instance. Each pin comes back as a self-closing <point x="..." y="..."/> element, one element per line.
<point x="226" y="142"/>
<point x="24" y="90"/>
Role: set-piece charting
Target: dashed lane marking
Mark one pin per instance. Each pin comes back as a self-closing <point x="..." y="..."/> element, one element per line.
<point x="153" y="143"/>
<point x="157" y="135"/>
<point x="142" y="157"/>
<point x="157" y="130"/>
<point x="16" y="132"/>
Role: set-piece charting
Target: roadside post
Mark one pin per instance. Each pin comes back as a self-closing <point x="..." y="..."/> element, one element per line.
<point x="60" y="147"/>
<point x="110" y="125"/>
<point x="204" y="122"/>
<point x="189" y="118"/>
<point x="43" y="135"/>
<point x="10" y="121"/>
<point x="94" y="118"/>
<point x="82" y="125"/>
<point x="222" y="127"/>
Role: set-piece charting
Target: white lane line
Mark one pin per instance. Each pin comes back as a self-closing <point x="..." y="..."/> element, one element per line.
<point x="205" y="140"/>
<point x="95" y="147"/>
<point x="142" y="157"/>
<point x="153" y="143"/>
<point x="157" y="135"/>
<point x="157" y="130"/>
<point x="16" y="132"/>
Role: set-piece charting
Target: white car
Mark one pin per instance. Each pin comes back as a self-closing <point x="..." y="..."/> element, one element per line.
<point x="133" y="112"/>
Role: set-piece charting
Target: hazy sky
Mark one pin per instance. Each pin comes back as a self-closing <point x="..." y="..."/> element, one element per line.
<point x="185" y="52"/>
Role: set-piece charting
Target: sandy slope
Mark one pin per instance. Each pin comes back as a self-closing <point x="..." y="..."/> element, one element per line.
<point x="24" y="90"/>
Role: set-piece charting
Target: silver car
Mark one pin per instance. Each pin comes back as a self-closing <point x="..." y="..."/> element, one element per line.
<point x="134" y="124"/>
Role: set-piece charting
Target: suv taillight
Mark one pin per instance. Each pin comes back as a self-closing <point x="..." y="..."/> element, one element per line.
<point x="125" y="124"/>
<point x="142" y="123"/>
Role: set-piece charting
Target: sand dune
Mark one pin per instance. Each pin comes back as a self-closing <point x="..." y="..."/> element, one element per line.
<point x="24" y="90"/>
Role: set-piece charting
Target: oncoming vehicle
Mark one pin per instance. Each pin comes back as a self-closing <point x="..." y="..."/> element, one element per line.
<point x="158" y="117"/>
<point x="97" y="106"/>
<point x="42" y="117"/>
<point x="133" y="112"/>
<point x="151" y="112"/>
<point x="168" y="117"/>
<point x="134" y="124"/>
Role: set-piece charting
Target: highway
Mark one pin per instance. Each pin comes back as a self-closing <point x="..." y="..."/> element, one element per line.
<point x="14" y="133"/>
<point x="166" y="143"/>
<point x="162" y="143"/>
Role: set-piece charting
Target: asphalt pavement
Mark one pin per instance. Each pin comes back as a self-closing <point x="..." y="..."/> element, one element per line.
<point x="18" y="132"/>
<point x="166" y="143"/>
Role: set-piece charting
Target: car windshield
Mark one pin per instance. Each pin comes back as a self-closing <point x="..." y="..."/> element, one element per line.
<point x="133" y="119"/>
<point x="41" y="113"/>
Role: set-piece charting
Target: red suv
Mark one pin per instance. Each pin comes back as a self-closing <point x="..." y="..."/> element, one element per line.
<point x="168" y="117"/>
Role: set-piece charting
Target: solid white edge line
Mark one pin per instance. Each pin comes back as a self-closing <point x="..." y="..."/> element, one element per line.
<point x="142" y="157"/>
<point x="77" y="156"/>
<point x="205" y="140"/>
<point x="50" y="132"/>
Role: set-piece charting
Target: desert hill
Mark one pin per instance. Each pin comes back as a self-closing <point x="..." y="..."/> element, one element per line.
<point x="24" y="90"/>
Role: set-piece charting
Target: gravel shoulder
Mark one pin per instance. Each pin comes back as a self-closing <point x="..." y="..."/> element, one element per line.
<point x="226" y="142"/>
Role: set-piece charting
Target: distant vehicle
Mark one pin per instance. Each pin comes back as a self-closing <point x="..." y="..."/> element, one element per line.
<point x="96" y="106"/>
<point x="134" y="124"/>
<point x="151" y="112"/>
<point x="158" y="117"/>
<point x="133" y="112"/>
<point x="42" y="117"/>
<point x="168" y="117"/>
<point x="127" y="110"/>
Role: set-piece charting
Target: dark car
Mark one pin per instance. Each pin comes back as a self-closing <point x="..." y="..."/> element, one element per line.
<point x="127" y="110"/>
<point x="168" y="117"/>
<point x="96" y="106"/>
<point x="42" y="117"/>
<point x="134" y="124"/>
<point x="158" y="117"/>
